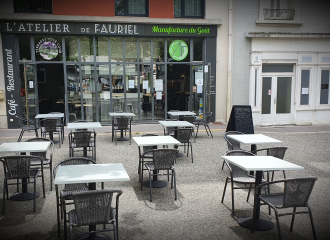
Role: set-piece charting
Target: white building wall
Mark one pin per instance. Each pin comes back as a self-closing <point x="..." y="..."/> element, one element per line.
<point x="289" y="45"/>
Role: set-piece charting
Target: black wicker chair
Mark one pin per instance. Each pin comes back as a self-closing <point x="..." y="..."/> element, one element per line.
<point x="123" y="124"/>
<point x="231" y="143"/>
<point x="60" y="123"/>
<point x="26" y="125"/>
<point x="95" y="207"/>
<point x="145" y="153"/>
<point x="62" y="195"/>
<point x="82" y="141"/>
<point x="294" y="193"/>
<point x="47" y="159"/>
<point x="237" y="175"/>
<point x="163" y="159"/>
<point x="277" y="152"/>
<point x="16" y="168"/>
<point x="183" y="135"/>
<point x="190" y="119"/>
<point x="205" y="122"/>
<point x="50" y="127"/>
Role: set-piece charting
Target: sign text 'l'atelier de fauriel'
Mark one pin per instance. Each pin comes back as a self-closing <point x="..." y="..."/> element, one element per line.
<point x="72" y="28"/>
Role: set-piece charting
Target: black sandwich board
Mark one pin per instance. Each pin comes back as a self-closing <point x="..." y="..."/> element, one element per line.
<point x="241" y="119"/>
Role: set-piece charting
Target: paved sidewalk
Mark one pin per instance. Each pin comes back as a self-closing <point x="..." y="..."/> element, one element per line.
<point x="198" y="213"/>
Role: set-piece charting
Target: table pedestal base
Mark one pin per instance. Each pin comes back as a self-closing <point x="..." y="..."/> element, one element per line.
<point x="122" y="139"/>
<point x="23" y="196"/>
<point x="259" y="224"/>
<point x="179" y="155"/>
<point x="155" y="184"/>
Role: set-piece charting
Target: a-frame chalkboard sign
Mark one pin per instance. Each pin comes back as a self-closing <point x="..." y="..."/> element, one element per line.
<point x="241" y="119"/>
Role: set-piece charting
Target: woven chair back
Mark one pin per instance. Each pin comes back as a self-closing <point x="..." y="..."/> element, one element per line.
<point x="123" y="123"/>
<point x="235" y="171"/>
<point x="17" y="167"/>
<point x="164" y="158"/>
<point x="190" y="119"/>
<point x="183" y="134"/>
<point x="82" y="138"/>
<point x="231" y="143"/>
<point x="50" y="124"/>
<point x="277" y="152"/>
<point x="297" y="191"/>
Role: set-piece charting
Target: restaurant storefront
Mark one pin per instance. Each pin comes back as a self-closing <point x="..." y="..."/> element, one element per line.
<point x="87" y="70"/>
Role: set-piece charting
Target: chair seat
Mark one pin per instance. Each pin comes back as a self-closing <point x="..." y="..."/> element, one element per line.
<point x="151" y="167"/>
<point x="73" y="219"/>
<point x="78" y="187"/>
<point x="74" y="145"/>
<point x="273" y="199"/>
<point x="33" y="173"/>
<point x="36" y="162"/>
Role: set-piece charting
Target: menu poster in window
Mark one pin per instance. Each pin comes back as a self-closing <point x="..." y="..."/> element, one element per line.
<point x="130" y="83"/>
<point x="158" y="85"/>
<point x="199" y="88"/>
<point x="159" y="95"/>
<point x="106" y="95"/>
<point x="241" y="119"/>
<point x="145" y="85"/>
<point x="199" y="78"/>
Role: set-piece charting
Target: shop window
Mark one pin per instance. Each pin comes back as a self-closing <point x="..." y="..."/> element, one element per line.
<point x="102" y="49"/>
<point x="277" y="67"/>
<point x="71" y="49"/>
<point x="130" y="50"/>
<point x="33" y="6"/>
<point x="324" y="98"/>
<point x="86" y="49"/>
<point x="198" y="49"/>
<point x="24" y="47"/>
<point x="145" y="50"/>
<point x="139" y="8"/>
<point x="304" y="91"/>
<point x="158" y="49"/>
<point x="279" y="12"/>
<point x="116" y="49"/>
<point x="189" y="8"/>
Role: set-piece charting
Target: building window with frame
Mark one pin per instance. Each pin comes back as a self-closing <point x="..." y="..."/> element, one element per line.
<point x="189" y="8"/>
<point x="33" y="6"/>
<point x="324" y="97"/>
<point x="305" y="83"/>
<point x="139" y="8"/>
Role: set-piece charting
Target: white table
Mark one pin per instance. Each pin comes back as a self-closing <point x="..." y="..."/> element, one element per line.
<point x="23" y="148"/>
<point x="259" y="164"/>
<point x="176" y="124"/>
<point x="253" y="139"/>
<point x="84" y="125"/>
<point x="50" y="115"/>
<point x="153" y="141"/>
<point x="182" y="113"/>
<point x="91" y="173"/>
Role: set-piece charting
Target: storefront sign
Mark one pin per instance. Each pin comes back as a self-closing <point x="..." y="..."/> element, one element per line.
<point x="102" y="28"/>
<point x="12" y="81"/>
<point x="178" y="50"/>
<point x="48" y="48"/>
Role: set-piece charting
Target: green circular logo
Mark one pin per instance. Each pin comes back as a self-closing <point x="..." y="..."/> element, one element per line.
<point x="178" y="50"/>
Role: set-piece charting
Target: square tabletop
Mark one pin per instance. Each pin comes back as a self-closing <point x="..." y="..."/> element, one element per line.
<point x="50" y="115"/>
<point x="176" y="124"/>
<point x="123" y="114"/>
<point x="182" y="113"/>
<point x="89" y="173"/>
<point x="14" y="147"/>
<point x="253" y="138"/>
<point x="261" y="163"/>
<point x="155" y="140"/>
<point x="84" y="125"/>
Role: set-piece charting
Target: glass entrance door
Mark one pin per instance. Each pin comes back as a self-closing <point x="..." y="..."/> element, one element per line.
<point x="277" y="101"/>
<point x="29" y="91"/>
<point x="200" y="89"/>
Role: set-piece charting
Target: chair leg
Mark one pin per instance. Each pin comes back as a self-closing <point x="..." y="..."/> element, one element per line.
<point x="278" y="225"/>
<point x="150" y="186"/>
<point x="192" y="157"/>
<point x="197" y="131"/>
<point x="223" y="164"/>
<point x="174" y="178"/>
<point x="58" y="214"/>
<point x="248" y="196"/>
<point x="206" y="130"/>
<point x="20" y="136"/>
<point x="35" y="193"/>
<point x="312" y="221"/>
<point x="4" y="194"/>
<point x="51" y="176"/>
<point x="232" y="198"/>
<point x="224" y="190"/>
<point x="43" y="182"/>
<point x="210" y="130"/>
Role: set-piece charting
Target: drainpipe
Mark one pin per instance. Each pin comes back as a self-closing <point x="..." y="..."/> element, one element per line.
<point x="230" y="53"/>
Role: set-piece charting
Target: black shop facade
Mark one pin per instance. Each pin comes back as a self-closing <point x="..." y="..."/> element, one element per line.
<point x="87" y="70"/>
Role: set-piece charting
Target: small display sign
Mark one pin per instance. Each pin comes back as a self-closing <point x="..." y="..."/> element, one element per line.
<point x="178" y="50"/>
